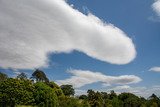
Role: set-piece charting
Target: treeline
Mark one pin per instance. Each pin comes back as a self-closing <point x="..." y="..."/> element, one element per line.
<point x="38" y="91"/>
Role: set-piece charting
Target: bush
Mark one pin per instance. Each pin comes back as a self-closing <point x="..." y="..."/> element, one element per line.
<point x="45" y="95"/>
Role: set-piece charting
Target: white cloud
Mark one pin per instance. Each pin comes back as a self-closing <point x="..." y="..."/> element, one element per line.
<point x="32" y="29"/>
<point x="80" y="92"/>
<point x="156" y="7"/>
<point x="81" y="78"/>
<point x="155" y="69"/>
<point x="106" y="85"/>
<point x="127" y="88"/>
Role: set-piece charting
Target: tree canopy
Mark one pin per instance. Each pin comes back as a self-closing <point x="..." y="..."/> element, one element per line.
<point x="40" y="76"/>
<point x="45" y="93"/>
<point x="68" y="90"/>
<point x="14" y="91"/>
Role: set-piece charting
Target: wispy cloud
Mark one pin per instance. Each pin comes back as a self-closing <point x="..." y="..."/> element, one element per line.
<point x="32" y="29"/>
<point x="156" y="7"/>
<point x="155" y="69"/>
<point x="81" y="78"/>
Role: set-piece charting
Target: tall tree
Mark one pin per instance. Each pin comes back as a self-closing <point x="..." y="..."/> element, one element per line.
<point x="40" y="76"/>
<point x="153" y="101"/>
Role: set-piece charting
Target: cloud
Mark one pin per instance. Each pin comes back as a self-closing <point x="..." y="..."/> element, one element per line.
<point x="81" y="78"/>
<point x="30" y="30"/>
<point x="79" y="92"/>
<point x="127" y="88"/>
<point x="156" y="7"/>
<point x="155" y="69"/>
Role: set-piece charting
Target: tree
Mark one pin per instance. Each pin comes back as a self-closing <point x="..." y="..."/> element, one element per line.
<point x="67" y="101"/>
<point x="129" y="100"/>
<point x="153" y="101"/>
<point x="22" y="76"/>
<point x="104" y="95"/>
<point x="3" y="76"/>
<point x="68" y="90"/>
<point x="45" y="96"/>
<point x="95" y="98"/>
<point x="40" y="76"/>
<point x="56" y="88"/>
<point x="14" y="91"/>
<point x="53" y="85"/>
<point x="112" y="95"/>
<point x="84" y="97"/>
<point x="91" y="94"/>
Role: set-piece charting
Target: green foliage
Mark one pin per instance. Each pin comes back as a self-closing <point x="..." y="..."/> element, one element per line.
<point x="53" y="85"/>
<point x="107" y="103"/>
<point x="3" y="76"/>
<point x="14" y="91"/>
<point x="67" y="90"/>
<point x="22" y="76"/>
<point x="130" y="100"/>
<point x="45" y="95"/>
<point x="116" y="102"/>
<point x="95" y="98"/>
<point x="40" y="76"/>
<point x="153" y="101"/>
<point x="104" y="95"/>
<point x="84" y="97"/>
<point x="67" y="101"/>
<point x="22" y="92"/>
<point x="56" y="88"/>
<point x="112" y="94"/>
<point x="85" y="103"/>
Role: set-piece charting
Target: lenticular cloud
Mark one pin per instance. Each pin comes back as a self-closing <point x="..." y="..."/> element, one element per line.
<point x="81" y="78"/>
<point x="32" y="29"/>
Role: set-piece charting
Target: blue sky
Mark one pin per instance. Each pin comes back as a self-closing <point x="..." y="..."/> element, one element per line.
<point x="140" y="22"/>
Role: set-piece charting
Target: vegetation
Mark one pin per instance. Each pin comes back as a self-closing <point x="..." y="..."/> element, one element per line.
<point x="40" y="76"/>
<point x="67" y="90"/>
<point x="3" y="76"/>
<point x="24" y="92"/>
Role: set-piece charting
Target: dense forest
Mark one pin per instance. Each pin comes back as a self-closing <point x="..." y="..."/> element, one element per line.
<point x="38" y="91"/>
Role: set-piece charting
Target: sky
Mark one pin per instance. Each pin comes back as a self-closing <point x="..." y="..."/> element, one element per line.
<point x="101" y="45"/>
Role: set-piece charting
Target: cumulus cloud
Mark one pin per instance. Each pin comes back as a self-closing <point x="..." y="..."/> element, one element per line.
<point x="155" y="69"/>
<point x="156" y="7"/>
<point x="81" y="78"/>
<point x="30" y="30"/>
